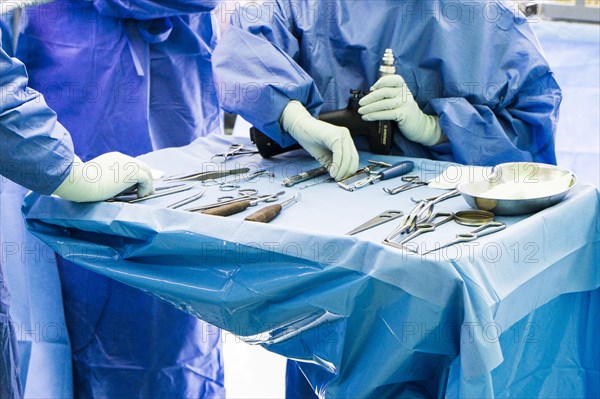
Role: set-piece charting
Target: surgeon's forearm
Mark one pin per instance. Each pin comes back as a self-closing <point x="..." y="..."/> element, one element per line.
<point x="35" y="150"/>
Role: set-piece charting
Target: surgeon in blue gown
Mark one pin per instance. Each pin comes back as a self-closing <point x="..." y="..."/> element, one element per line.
<point x="471" y="84"/>
<point x="36" y="152"/>
<point x="129" y="76"/>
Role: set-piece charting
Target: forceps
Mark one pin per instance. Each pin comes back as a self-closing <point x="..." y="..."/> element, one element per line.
<point x="428" y="226"/>
<point x="187" y="200"/>
<point x="410" y="183"/>
<point x="235" y="150"/>
<point x="484" y="230"/>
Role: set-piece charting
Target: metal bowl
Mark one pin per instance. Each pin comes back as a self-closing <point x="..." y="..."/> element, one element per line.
<point x="475" y="193"/>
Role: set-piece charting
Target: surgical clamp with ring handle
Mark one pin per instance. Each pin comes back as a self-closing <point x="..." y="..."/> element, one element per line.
<point x="421" y="228"/>
<point x="241" y="205"/>
<point x="235" y="150"/>
<point x="382" y="218"/>
<point x="479" y="232"/>
<point x="243" y="194"/>
<point x="410" y="183"/>
<point x="423" y="207"/>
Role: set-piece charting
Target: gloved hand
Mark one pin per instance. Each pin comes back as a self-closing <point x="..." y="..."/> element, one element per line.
<point x="331" y="145"/>
<point x="104" y="177"/>
<point x="391" y="99"/>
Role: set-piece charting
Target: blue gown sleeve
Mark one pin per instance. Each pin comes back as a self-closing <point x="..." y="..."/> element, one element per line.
<point x="256" y="73"/>
<point x="521" y="132"/>
<point x="516" y="112"/>
<point x="151" y="9"/>
<point x="35" y="150"/>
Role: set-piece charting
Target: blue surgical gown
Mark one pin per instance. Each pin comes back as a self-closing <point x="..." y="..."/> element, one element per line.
<point x="129" y="76"/>
<point x="477" y="65"/>
<point x="35" y="152"/>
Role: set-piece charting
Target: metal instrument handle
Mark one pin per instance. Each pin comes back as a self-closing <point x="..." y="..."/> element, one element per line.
<point x="265" y="215"/>
<point x="268" y="213"/>
<point x="489" y="228"/>
<point x="397" y="169"/>
<point x="303" y="176"/>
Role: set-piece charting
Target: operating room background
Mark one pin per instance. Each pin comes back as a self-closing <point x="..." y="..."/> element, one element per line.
<point x="573" y="52"/>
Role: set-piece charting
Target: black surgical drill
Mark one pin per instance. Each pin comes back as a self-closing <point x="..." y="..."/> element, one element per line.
<point x="379" y="134"/>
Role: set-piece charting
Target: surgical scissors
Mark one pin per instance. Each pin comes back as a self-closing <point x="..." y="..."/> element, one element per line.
<point x="235" y="150"/>
<point x="428" y="226"/>
<point x="479" y="232"/>
<point x="410" y="183"/>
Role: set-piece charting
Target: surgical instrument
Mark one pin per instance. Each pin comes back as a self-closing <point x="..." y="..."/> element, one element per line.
<point x="268" y="213"/>
<point x="241" y="205"/>
<point x="359" y="174"/>
<point x="328" y="180"/>
<point x="228" y="186"/>
<point x="387" y="66"/>
<point x="243" y="194"/>
<point x="479" y="232"/>
<point x="428" y="208"/>
<point x="395" y="170"/>
<point x="411" y="182"/>
<point x="208" y="175"/>
<point x="473" y="218"/>
<point x="232" y="185"/>
<point x="131" y="192"/>
<point x="187" y="200"/>
<point x="422" y="228"/>
<point x="409" y="220"/>
<point x="220" y="202"/>
<point x="235" y="150"/>
<point x="160" y="192"/>
<point x="382" y="218"/>
<point x="438" y="198"/>
<point x="379" y="134"/>
<point x="423" y="207"/>
<point x="303" y="176"/>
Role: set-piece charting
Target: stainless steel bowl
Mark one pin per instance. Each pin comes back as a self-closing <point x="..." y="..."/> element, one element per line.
<point x="519" y="172"/>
